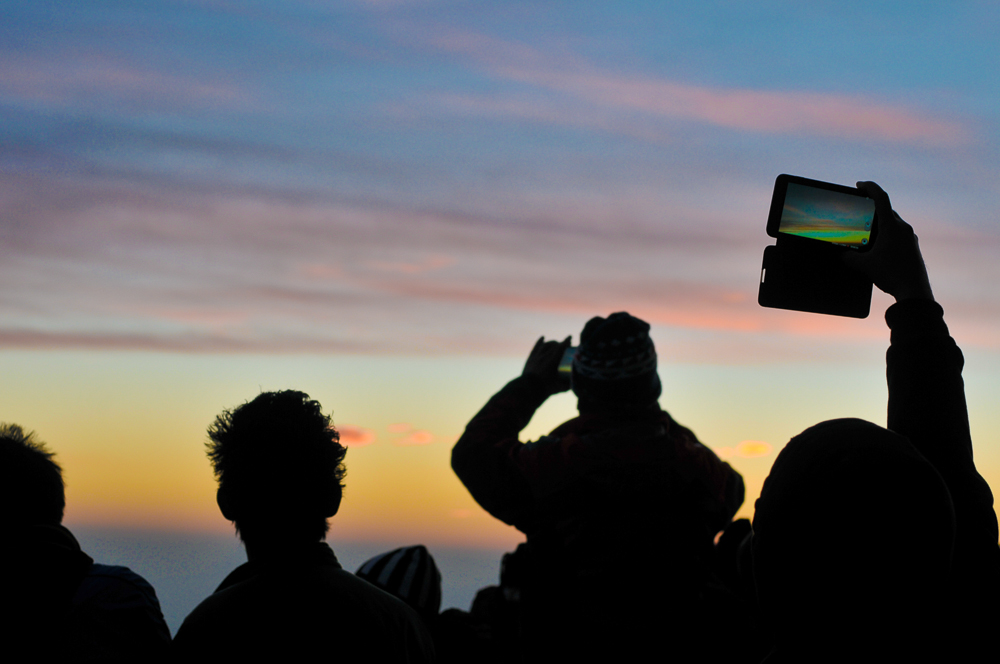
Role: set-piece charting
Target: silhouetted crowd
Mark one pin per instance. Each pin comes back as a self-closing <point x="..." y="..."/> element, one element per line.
<point x="867" y="543"/>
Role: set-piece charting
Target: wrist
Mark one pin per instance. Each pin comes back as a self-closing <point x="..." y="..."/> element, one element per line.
<point x="920" y="291"/>
<point x="533" y="385"/>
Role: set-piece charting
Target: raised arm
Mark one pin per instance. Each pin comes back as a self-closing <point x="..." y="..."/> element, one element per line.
<point x="484" y="458"/>
<point x="927" y="393"/>
<point x="924" y="365"/>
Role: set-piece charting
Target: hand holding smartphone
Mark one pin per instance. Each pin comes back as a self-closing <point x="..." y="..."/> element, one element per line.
<point x="814" y="224"/>
<point x="566" y="363"/>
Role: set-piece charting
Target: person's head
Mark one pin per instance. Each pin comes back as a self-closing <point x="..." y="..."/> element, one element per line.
<point x="31" y="484"/>
<point x="614" y="368"/>
<point x="410" y="574"/>
<point x="280" y="467"/>
<point x="852" y="538"/>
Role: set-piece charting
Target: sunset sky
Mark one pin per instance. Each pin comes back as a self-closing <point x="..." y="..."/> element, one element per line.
<point x="385" y="203"/>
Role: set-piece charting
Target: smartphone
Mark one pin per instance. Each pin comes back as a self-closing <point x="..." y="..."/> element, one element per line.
<point x="821" y="211"/>
<point x="566" y="363"/>
<point x="815" y="223"/>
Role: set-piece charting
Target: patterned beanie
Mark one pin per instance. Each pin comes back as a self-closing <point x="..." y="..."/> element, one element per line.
<point x="615" y="365"/>
<point x="410" y="574"/>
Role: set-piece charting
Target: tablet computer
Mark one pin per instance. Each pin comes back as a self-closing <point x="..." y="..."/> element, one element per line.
<point x="814" y="223"/>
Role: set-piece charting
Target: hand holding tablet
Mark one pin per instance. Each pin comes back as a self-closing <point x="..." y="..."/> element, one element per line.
<point x="815" y="223"/>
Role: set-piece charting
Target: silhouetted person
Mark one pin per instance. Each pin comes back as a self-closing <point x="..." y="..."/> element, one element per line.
<point x="411" y="574"/>
<point x="620" y="505"/>
<point x="881" y="545"/>
<point x="58" y="603"/>
<point x="280" y="469"/>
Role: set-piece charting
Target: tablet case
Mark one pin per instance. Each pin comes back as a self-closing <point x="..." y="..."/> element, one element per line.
<point x="807" y="275"/>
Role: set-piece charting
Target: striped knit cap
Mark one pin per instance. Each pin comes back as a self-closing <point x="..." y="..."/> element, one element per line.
<point x="615" y="365"/>
<point x="410" y="574"/>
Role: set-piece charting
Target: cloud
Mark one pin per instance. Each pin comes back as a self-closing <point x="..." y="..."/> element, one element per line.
<point x="841" y="116"/>
<point x="419" y="437"/>
<point x="322" y="271"/>
<point x="390" y="4"/>
<point x="352" y="436"/>
<point x="817" y="114"/>
<point x="104" y="268"/>
<point x="747" y="449"/>
<point x="145" y="228"/>
<point x="102" y="81"/>
<point x="675" y="303"/>
<point x="209" y="317"/>
<point x="567" y="113"/>
<point x="190" y="342"/>
<point x="428" y="264"/>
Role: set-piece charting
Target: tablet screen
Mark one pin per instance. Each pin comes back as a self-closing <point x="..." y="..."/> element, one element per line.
<point x="827" y="215"/>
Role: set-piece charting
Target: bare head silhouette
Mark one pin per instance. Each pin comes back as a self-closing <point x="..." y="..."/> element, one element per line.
<point x="852" y="543"/>
<point x="280" y="467"/>
<point x="31" y="483"/>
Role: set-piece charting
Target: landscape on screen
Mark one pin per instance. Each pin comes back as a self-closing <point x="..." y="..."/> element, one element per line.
<point x="827" y="215"/>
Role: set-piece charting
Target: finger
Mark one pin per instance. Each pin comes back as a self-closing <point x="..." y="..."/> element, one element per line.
<point x="873" y="190"/>
<point x="883" y="206"/>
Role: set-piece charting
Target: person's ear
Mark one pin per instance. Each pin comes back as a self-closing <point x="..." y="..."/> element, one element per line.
<point x="226" y="505"/>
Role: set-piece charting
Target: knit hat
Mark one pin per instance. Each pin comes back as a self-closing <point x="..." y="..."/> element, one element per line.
<point x="410" y="574"/>
<point x="615" y="365"/>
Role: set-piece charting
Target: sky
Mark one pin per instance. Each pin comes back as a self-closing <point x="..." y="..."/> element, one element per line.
<point x="385" y="203"/>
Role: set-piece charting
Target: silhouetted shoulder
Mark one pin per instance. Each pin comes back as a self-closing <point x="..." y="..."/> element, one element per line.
<point x="114" y="614"/>
<point x="130" y="589"/>
<point x="287" y="610"/>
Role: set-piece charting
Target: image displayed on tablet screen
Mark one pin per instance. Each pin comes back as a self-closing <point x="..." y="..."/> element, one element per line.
<point x="827" y="215"/>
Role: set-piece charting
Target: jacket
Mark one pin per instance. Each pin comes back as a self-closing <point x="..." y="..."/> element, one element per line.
<point x="302" y="604"/>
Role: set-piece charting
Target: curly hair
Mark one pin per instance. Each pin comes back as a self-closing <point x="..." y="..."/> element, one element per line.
<point x="31" y="483"/>
<point x="278" y="458"/>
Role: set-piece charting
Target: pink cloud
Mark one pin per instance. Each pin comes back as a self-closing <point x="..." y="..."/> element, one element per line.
<point x="352" y="436"/>
<point x="754" y="110"/>
<point x="90" y="279"/>
<point x="684" y="305"/>
<point x="31" y="339"/>
<point x="419" y="437"/>
<point x="322" y="271"/>
<point x="765" y="111"/>
<point x="204" y="316"/>
<point x="103" y="79"/>
<point x="566" y="114"/>
<point x="413" y="267"/>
